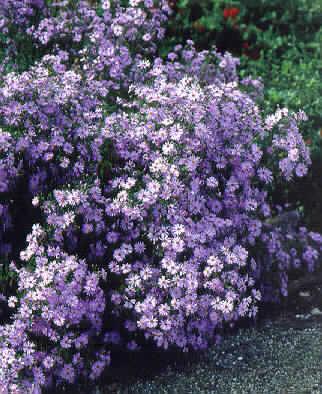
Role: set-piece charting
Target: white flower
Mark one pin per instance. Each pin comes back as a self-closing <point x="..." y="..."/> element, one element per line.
<point x="143" y="64"/>
<point x="146" y="37"/>
<point x="64" y="162"/>
<point x="134" y="3"/>
<point x="163" y="282"/>
<point x="12" y="301"/>
<point x="59" y="321"/>
<point x="35" y="201"/>
<point x="106" y="4"/>
<point x="216" y="264"/>
<point x="179" y="229"/>
<point x="121" y="196"/>
<point x="293" y="154"/>
<point x="117" y="30"/>
<point x="68" y="219"/>
<point x="158" y="166"/>
<point x="167" y="122"/>
<point x="37" y="231"/>
<point x="212" y="182"/>
<point x="129" y="183"/>
<point x="168" y="148"/>
<point x="226" y="306"/>
<point x="153" y="187"/>
<point x="208" y="271"/>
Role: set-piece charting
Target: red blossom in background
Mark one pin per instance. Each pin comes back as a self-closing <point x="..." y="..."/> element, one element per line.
<point x="230" y="12"/>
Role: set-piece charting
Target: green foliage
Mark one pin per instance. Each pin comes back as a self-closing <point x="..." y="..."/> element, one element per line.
<point x="265" y="23"/>
<point x="293" y="80"/>
<point x="280" y="42"/>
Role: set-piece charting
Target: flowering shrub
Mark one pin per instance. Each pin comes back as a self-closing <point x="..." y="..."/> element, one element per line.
<point x="174" y="226"/>
<point x="151" y="180"/>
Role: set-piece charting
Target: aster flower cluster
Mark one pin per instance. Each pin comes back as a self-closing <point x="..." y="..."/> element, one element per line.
<point x="20" y="14"/>
<point x="50" y="119"/>
<point x="59" y="300"/>
<point x="175" y="224"/>
<point x="144" y="189"/>
<point x="16" y="17"/>
<point x="191" y="196"/>
<point x="139" y="22"/>
<point x="102" y="36"/>
<point x="54" y="108"/>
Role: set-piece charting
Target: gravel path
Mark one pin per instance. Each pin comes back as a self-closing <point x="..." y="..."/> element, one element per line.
<point x="282" y="357"/>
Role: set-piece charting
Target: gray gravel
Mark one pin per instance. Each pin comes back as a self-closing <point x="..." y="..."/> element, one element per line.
<point x="282" y="357"/>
